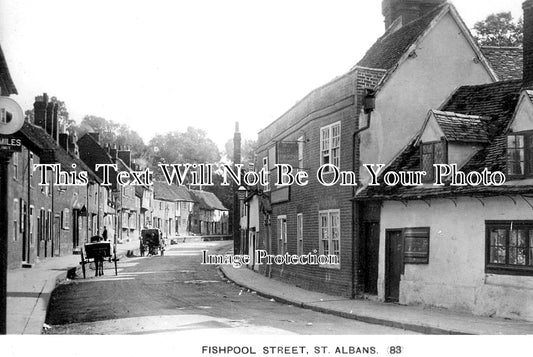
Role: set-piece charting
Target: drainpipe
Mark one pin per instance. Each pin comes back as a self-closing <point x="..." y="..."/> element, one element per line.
<point x="369" y="104"/>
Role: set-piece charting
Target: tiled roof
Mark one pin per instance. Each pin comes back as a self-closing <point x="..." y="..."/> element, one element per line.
<point x="495" y="104"/>
<point x="37" y="137"/>
<point x="5" y="77"/>
<point x="166" y="192"/>
<point x="388" y="49"/>
<point x="38" y="140"/>
<point x="207" y="200"/>
<point x="506" y="61"/>
<point x="460" y="127"/>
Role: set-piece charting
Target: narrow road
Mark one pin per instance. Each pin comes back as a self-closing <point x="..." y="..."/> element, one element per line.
<point x="175" y="293"/>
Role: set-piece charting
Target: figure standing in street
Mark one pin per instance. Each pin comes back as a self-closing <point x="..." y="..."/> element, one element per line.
<point x="104" y="233"/>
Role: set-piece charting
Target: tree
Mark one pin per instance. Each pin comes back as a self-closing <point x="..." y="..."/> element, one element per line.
<point x="192" y="146"/>
<point x="112" y="133"/>
<point x="499" y="30"/>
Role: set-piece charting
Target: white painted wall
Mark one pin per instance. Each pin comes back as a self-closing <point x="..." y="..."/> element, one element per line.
<point x="523" y="119"/>
<point x="444" y="61"/>
<point x="254" y="215"/>
<point x="455" y="276"/>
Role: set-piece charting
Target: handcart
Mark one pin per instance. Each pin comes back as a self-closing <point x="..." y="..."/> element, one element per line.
<point x="97" y="251"/>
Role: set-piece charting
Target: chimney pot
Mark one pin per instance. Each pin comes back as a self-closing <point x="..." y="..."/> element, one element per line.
<point x="408" y="10"/>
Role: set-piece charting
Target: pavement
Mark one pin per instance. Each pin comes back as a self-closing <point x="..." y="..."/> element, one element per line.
<point x="414" y="318"/>
<point x="29" y="289"/>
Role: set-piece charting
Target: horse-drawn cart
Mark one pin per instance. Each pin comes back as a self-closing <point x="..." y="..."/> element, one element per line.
<point x="152" y="242"/>
<point x="96" y="252"/>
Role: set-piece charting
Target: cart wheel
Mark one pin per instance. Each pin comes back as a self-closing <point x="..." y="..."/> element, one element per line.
<point x="82" y="263"/>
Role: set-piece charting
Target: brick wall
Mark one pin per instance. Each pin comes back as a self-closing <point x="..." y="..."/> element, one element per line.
<point x="331" y="103"/>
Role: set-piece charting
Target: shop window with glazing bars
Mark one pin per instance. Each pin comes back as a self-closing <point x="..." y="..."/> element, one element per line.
<point x="329" y="230"/>
<point x="509" y="247"/>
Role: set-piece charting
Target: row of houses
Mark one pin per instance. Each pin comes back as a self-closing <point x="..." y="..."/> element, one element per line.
<point x="425" y="93"/>
<point x="56" y="219"/>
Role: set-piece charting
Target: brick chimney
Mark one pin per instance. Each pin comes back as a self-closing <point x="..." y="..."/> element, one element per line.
<point x="39" y="110"/>
<point x="113" y="153"/>
<point x="50" y="117"/>
<point x="408" y="10"/>
<point x="124" y="154"/>
<point x="63" y="140"/>
<point x="55" y="123"/>
<point x="237" y="145"/>
<point x="527" y="6"/>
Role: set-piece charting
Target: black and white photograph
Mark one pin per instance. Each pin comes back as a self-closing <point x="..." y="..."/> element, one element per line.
<point x="269" y="178"/>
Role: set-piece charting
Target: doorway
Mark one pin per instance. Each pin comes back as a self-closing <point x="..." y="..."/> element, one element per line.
<point x="393" y="265"/>
<point x="371" y="257"/>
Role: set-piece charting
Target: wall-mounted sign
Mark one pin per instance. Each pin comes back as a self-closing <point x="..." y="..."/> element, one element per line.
<point x="416" y="245"/>
<point x="11" y="116"/>
<point x="10" y="143"/>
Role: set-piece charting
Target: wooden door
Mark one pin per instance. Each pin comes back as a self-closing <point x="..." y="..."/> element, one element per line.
<point x="393" y="265"/>
<point x="371" y="258"/>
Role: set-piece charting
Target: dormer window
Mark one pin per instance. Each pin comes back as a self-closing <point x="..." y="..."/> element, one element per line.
<point x="432" y="153"/>
<point x="520" y="154"/>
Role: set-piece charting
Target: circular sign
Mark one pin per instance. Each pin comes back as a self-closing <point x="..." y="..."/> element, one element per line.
<point x="11" y="116"/>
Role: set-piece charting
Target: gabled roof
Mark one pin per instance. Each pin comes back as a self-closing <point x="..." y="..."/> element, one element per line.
<point x="96" y="146"/>
<point x="495" y="101"/>
<point x="38" y="140"/>
<point x="389" y="48"/>
<point x="173" y="193"/>
<point x="8" y="86"/>
<point x="495" y="104"/>
<point x="207" y="200"/>
<point x="461" y="127"/>
<point x="506" y="61"/>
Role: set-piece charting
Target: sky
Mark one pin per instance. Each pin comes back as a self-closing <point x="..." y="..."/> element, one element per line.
<point x="164" y="65"/>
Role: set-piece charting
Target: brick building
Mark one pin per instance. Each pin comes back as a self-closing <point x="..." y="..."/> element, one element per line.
<point x="367" y="115"/>
<point x="54" y="219"/>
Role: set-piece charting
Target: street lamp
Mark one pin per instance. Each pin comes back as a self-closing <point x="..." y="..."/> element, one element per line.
<point x="241" y="193"/>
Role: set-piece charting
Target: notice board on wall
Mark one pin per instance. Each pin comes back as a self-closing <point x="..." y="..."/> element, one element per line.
<point x="416" y="245"/>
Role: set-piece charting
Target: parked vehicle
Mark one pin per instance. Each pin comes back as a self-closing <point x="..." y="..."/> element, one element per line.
<point x="152" y="242"/>
<point x="97" y="251"/>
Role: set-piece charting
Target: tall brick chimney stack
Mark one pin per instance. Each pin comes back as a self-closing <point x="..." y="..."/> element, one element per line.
<point x="50" y="117"/>
<point x="408" y="10"/>
<point x="113" y="153"/>
<point x="237" y="145"/>
<point x="55" y="123"/>
<point x="124" y="154"/>
<point x="527" y="6"/>
<point x="39" y="110"/>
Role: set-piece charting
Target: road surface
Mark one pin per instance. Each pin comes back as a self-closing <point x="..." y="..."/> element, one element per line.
<point x="174" y="293"/>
